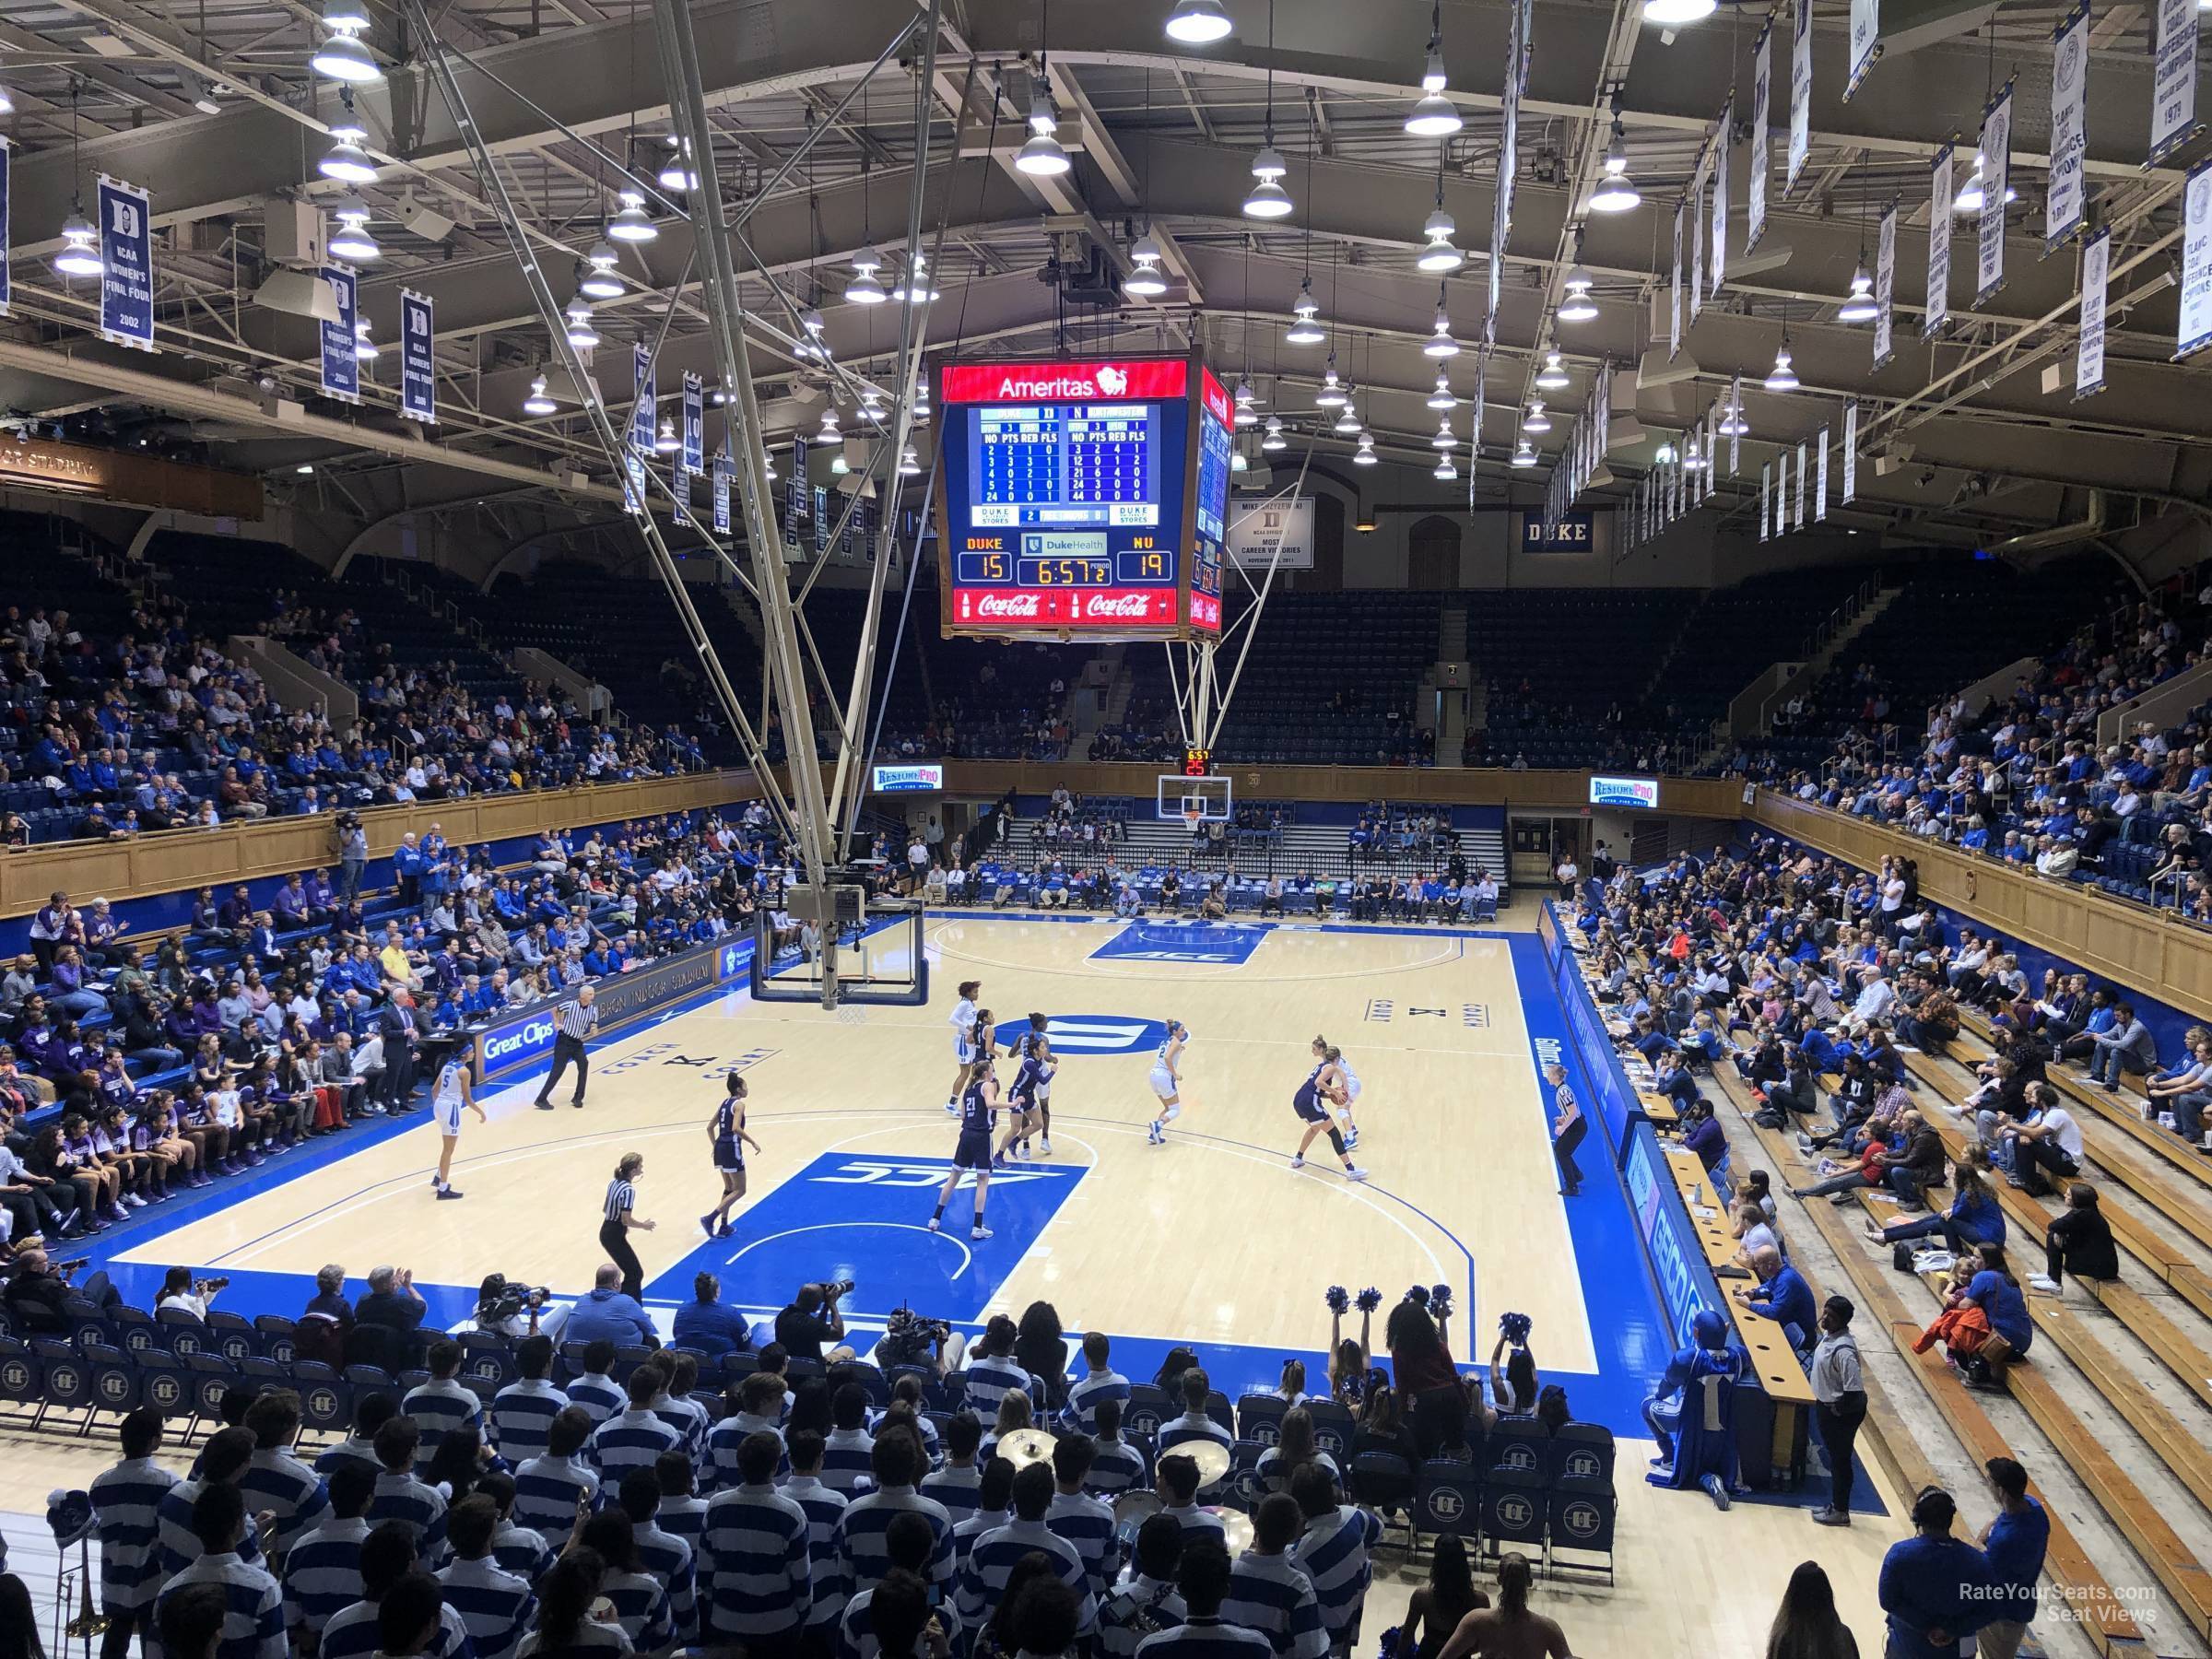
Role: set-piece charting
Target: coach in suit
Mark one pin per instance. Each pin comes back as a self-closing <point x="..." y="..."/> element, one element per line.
<point x="574" y="1022"/>
<point x="398" y="1025"/>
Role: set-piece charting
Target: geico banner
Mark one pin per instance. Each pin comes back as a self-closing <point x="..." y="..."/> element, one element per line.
<point x="525" y="1038"/>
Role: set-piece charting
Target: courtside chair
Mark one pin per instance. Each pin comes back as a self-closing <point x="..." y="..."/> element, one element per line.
<point x="1515" y="1509"/>
<point x="1260" y="1417"/>
<point x="1333" y="1428"/>
<point x="1581" y="1516"/>
<point x="1447" y="1500"/>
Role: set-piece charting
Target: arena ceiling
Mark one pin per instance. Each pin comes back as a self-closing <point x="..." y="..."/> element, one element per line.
<point x="211" y="107"/>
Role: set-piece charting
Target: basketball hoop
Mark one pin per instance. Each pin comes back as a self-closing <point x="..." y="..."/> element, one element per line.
<point x="1193" y="816"/>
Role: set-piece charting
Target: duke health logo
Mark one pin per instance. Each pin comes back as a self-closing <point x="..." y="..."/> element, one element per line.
<point x="733" y="959"/>
<point x="1104" y="1034"/>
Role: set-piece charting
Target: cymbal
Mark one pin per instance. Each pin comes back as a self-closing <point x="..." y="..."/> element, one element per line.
<point x="1211" y="1456"/>
<point x="1236" y="1528"/>
<point x="1022" y="1447"/>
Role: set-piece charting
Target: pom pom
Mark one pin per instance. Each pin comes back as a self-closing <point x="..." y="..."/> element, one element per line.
<point x="1516" y="1327"/>
<point x="1338" y="1299"/>
<point x="1369" y="1300"/>
<point x="1418" y="1294"/>
<point x="1388" y="1645"/>
<point x="1440" y="1301"/>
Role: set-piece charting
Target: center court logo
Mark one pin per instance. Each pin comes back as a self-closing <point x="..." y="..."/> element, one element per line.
<point x="1104" y="1034"/>
<point x="865" y="1172"/>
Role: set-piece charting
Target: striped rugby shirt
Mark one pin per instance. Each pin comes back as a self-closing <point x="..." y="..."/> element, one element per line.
<point x="418" y="1508"/>
<point x="352" y="1634"/>
<point x="126" y="1506"/>
<point x="1332" y="1554"/>
<point x="669" y="1559"/>
<point x="322" y="1572"/>
<point x="180" y="1548"/>
<point x="957" y="1486"/>
<point x="1268" y="1594"/>
<point x="845" y="1459"/>
<point x="439" y="1406"/>
<point x="520" y="1417"/>
<point x="495" y="1606"/>
<point x="519" y="1550"/>
<point x="277" y="1480"/>
<point x="633" y="1440"/>
<point x="1088" y="1526"/>
<point x="862" y="1558"/>
<point x="253" y="1616"/>
<point x="642" y="1608"/>
<point x="1087" y="1392"/>
<point x="599" y="1395"/>
<point x="754" y="1569"/>
<point x="825" y="1508"/>
<point x="546" y="1493"/>
<point x="991" y="1563"/>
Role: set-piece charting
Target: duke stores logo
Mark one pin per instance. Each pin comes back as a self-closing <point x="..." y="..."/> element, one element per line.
<point x="517" y="1042"/>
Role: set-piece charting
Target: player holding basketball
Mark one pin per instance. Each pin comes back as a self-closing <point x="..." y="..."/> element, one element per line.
<point x="1032" y="1094"/>
<point x="1350" y="1080"/>
<point x="1321" y="1092"/>
<point x="452" y="1097"/>
<point x="979" y="1101"/>
<point x="1166" y="1081"/>
<point x="963" y="1040"/>
<point x="726" y="1131"/>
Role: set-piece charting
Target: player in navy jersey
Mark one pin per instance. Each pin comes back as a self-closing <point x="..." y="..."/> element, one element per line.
<point x="979" y="1101"/>
<point x="1350" y="1080"/>
<point x="1032" y="1095"/>
<point x="727" y="1133"/>
<point x="1314" y="1103"/>
<point x="1165" y="1079"/>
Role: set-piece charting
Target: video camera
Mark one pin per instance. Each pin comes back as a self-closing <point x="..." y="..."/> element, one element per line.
<point x="833" y="1288"/>
<point x="208" y="1287"/>
<point x="503" y="1299"/>
<point x="910" y="1339"/>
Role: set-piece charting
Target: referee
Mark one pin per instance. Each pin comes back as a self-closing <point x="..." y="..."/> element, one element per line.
<point x="575" y="1022"/>
<point x="619" y="1217"/>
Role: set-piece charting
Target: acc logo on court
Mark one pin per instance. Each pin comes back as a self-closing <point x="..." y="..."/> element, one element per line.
<point x="1104" y="1033"/>
<point x="872" y="1172"/>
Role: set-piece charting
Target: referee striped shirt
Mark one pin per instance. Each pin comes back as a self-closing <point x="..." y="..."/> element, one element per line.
<point x="621" y="1195"/>
<point x="755" y="1571"/>
<point x="824" y="1507"/>
<point x="253" y="1617"/>
<point x="322" y="1572"/>
<point x="126" y="1504"/>
<point x="1332" y="1554"/>
<point x="576" y="1020"/>
<point x="1268" y="1594"/>
<point x="546" y="1491"/>
<point x="521" y="1417"/>
<point x="494" y="1605"/>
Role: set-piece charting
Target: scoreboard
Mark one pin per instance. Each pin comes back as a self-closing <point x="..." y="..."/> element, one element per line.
<point x="1082" y="497"/>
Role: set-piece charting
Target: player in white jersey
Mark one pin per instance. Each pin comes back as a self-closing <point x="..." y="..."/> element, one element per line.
<point x="1031" y="1097"/>
<point x="448" y="1101"/>
<point x="1350" y="1081"/>
<point x="963" y="1041"/>
<point x="1166" y="1081"/>
<point x="1316" y="1102"/>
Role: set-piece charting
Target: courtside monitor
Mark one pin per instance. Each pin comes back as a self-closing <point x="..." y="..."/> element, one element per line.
<point x="1082" y="499"/>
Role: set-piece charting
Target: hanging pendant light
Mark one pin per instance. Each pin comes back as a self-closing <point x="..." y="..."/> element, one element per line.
<point x="1147" y="280"/>
<point x="839" y="465"/>
<point x="1616" y="192"/>
<point x="1524" y="453"/>
<point x="1331" y="394"/>
<point x="365" y="351"/>
<point x="1446" y="469"/>
<point x="914" y="288"/>
<point x="1536" y="420"/>
<point x="346" y="160"/>
<point x="1445" y="438"/>
<point x="1347" y="421"/>
<point x="1442" y="399"/>
<point x="79" y="254"/>
<point x="578" y="318"/>
<point x="1860" y="306"/>
<point x="1678" y="13"/>
<point x="811" y="325"/>
<point x="342" y="57"/>
<point x="909" y="466"/>
<point x="1272" y="438"/>
<point x="1577" y="306"/>
<point x="664" y="442"/>
<point x="1197" y="22"/>
<point x="863" y="289"/>
<point x="598" y="279"/>
<point x="351" y="240"/>
<point x="1440" y="255"/>
<point x="1367" y="456"/>
<point x="1246" y="415"/>
<point x="1041" y="157"/>
<point x="1552" y="377"/>
<point x="1732" y="423"/>
<point x="631" y="223"/>
<point x="828" y="433"/>
<point x="539" y="401"/>
<point x="1304" y="331"/>
<point x="1972" y="194"/>
<point x="1783" y="378"/>
<point x="676" y="172"/>
<point x="1433" y="115"/>
<point x="1440" y="343"/>
<point x="1268" y="199"/>
<point x="920" y="397"/>
<point x="1237" y="462"/>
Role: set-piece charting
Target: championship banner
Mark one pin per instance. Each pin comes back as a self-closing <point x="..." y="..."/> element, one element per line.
<point x="341" y="368"/>
<point x="1766" y="483"/>
<point x="1798" y="513"/>
<point x="1865" y="35"/>
<point x="2064" y="212"/>
<point x="1697" y="241"/>
<point x="2172" y="79"/>
<point x="7" y="287"/>
<point x="1501" y="200"/>
<point x="1801" y="89"/>
<point x="127" y="257"/>
<point x="1997" y="178"/>
<point x="694" y="450"/>
<point x="647" y="396"/>
<point x="1674" y="294"/>
<point x="1820" y="483"/>
<point x="821" y="517"/>
<point x="2196" y="261"/>
<point x="722" y="495"/>
<point x="1782" y="493"/>
<point x="1885" y="285"/>
<point x="1939" y="244"/>
<point x="1762" y="82"/>
<point x="1851" y="452"/>
<point x="798" y="499"/>
<point x="633" y="484"/>
<point x="417" y="359"/>
<point x="2088" y="354"/>
<point x="1720" y="196"/>
<point x="1736" y="425"/>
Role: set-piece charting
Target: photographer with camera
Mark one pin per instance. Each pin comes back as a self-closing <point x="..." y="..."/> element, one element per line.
<point x="910" y="1339"/>
<point x="184" y="1294"/>
<point x="804" y="1327"/>
<point x="36" y="1292"/>
<point x="508" y="1307"/>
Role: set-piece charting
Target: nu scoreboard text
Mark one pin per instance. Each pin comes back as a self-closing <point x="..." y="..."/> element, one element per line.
<point x="1082" y="497"/>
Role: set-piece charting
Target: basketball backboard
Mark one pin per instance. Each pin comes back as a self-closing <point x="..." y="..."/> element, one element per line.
<point x="1194" y="800"/>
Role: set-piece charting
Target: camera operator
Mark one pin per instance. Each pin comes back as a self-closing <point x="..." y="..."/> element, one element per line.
<point x="506" y="1307"/>
<point x="910" y="1339"/>
<point x="812" y="1320"/>
<point x="35" y="1293"/>
<point x="185" y="1294"/>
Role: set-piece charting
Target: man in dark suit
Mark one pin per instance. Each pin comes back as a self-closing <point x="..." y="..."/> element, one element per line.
<point x="399" y="1027"/>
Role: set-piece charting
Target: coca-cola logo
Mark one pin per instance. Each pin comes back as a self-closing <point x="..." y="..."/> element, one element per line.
<point x="1133" y="606"/>
<point x="1008" y="607"/>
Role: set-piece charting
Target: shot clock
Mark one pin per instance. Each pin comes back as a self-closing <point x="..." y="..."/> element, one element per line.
<point x="1082" y="497"/>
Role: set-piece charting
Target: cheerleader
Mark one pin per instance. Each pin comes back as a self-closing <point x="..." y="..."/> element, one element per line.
<point x="1349" y="1079"/>
<point x="1314" y="1103"/>
<point x="963" y="1041"/>
<point x="1165" y="1079"/>
<point x="726" y="1133"/>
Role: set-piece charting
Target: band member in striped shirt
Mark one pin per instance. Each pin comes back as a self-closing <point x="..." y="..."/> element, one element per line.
<point x="825" y="1508"/>
<point x="990" y="1561"/>
<point x="669" y="1558"/>
<point x="127" y="1500"/>
<point x="1266" y="1591"/>
<point x="1203" y="1577"/>
<point x="1079" y="1518"/>
<point x="388" y="1563"/>
<point x="222" y="1459"/>
<point x="253" y="1612"/>
<point x="495" y="1604"/>
<point x="416" y="1505"/>
<point x="636" y="1438"/>
<point x="1098" y="1385"/>
<point x="909" y="1544"/>
<point x="1333" y="1552"/>
<point x="322" y="1569"/>
<point x="618" y="1217"/>
<point x="1115" y="1464"/>
<point x="275" y="1482"/>
<point x="521" y="1413"/>
<point x="895" y="1462"/>
<point x="549" y="1491"/>
<point x="441" y="1404"/>
<point x="726" y="1134"/>
<point x="754" y="1569"/>
<point x="964" y="1053"/>
<point x="573" y="1026"/>
<point x="1144" y="1601"/>
<point x="639" y="1600"/>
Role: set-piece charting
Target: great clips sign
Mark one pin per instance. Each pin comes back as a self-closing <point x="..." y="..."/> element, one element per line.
<point x="1149" y="380"/>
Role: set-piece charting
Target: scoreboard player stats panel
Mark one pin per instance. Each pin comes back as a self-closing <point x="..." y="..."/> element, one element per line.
<point x="1082" y="497"/>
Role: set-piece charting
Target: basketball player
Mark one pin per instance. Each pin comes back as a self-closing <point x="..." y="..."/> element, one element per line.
<point x="979" y="1101"/>
<point x="1166" y="1081"/>
<point x="452" y="1095"/>
<point x="1032" y="1090"/>
<point x="963" y="1040"/>
<point x="1350" y="1081"/>
<point x="727" y="1130"/>
<point x="1321" y="1092"/>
